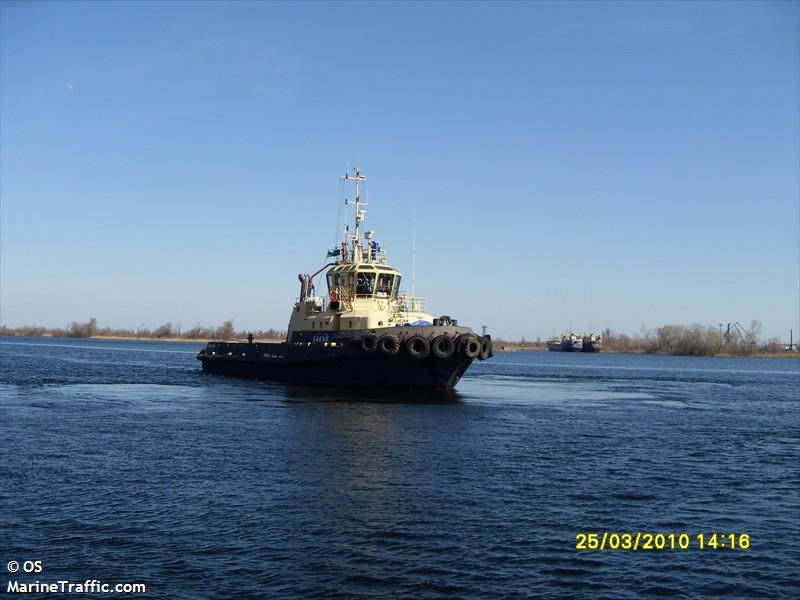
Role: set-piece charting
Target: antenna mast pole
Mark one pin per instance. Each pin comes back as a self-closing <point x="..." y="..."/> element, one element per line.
<point x="414" y="253"/>
<point x="357" y="178"/>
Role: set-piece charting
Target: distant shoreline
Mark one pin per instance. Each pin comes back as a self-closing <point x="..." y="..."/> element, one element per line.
<point x="165" y="332"/>
<point x="176" y="339"/>
<point x="499" y="346"/>
<point x="140" y="339"/>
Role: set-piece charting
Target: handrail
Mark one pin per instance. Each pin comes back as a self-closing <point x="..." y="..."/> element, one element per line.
<point x="409" y="303"/>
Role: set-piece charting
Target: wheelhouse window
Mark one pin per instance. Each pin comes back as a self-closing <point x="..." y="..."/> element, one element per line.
<point x="385" y="283"/>
<point x="365" y="284"/>
<point x="337" y="281"/>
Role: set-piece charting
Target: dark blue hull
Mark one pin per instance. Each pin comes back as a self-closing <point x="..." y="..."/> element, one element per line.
<point x="561" y="346"/>
<point x="338" y="360"/>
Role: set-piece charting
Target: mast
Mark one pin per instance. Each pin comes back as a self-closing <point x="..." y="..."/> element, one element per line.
<point x="414" y="254"/>
<point x="360" y="214"/>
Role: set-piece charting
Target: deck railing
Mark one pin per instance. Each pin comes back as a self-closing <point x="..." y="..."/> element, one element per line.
<point x="409" y="303"/>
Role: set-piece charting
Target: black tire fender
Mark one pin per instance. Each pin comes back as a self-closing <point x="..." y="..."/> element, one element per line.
<point x="369" y="342"/>
<point x="443" y="346"/>
<point x="389" y="345"/>
<point x="418" y="347"/>
<point x="486" y="348"/>
<point x="469" y="346"/>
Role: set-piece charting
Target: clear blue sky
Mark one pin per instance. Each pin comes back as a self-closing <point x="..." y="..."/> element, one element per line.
<point x="600" y="164"/>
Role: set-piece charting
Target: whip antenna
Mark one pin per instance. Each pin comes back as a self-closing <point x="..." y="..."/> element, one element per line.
<point x="414" y="252"/>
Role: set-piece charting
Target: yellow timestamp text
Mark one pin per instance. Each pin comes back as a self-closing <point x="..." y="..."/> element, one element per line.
<point x="648" y="541"/>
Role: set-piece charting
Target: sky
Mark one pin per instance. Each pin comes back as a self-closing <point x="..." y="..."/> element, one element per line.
<point x="586" y="165"/>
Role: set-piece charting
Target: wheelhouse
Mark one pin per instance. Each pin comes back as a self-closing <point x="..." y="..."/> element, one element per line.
<point x="363" y="281"/>
<point x="363" y="290"/>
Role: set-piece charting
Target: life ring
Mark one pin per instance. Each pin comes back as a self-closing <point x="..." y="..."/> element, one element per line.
<point x="418" y="347"/>
<point x="470" y="346"/>
<point x="389" y="345"/>
<point x="486" y="348"/>
<point x="443" y="346"/>
<point x="369" y="342"/>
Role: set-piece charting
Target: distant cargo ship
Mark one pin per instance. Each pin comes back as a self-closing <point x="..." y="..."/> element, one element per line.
<point x="571" y="342"/>
<point x="592" y="343"/>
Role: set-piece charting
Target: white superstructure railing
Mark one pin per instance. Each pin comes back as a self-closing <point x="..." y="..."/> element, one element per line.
<point x="409" y="303"/>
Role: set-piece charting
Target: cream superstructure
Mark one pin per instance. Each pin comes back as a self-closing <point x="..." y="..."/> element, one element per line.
<point x="363" y="290"/>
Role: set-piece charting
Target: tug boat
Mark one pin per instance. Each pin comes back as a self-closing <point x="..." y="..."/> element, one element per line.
<point x="364" y="332"/>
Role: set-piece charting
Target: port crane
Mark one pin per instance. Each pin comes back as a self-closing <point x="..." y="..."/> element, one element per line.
<point x="737" y="329"/>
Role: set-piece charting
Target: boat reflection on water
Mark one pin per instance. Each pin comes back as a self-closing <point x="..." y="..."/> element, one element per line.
<point x="302" y="393"/>
<point x="234" y="389"/>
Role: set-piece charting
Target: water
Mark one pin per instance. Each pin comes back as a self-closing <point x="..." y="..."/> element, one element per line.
<point x="122" y="462"/>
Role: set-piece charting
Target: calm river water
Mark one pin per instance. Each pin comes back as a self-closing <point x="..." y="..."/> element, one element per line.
<point x="122" y="462"/>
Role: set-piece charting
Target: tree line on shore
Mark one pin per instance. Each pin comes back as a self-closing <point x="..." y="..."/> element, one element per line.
<point x="684" y="340"/>
<point x="693" y="340"/>
<point x="90" y="329"/>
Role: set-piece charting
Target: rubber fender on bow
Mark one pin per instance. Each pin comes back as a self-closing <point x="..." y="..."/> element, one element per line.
<point x="418" y="347"/>
<point x="443" y="346"/>
<point x="486" y="348"/>
<point x="469" y="345"/>
<point x="389" y="345"/>
<point x="369" y="342"/>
